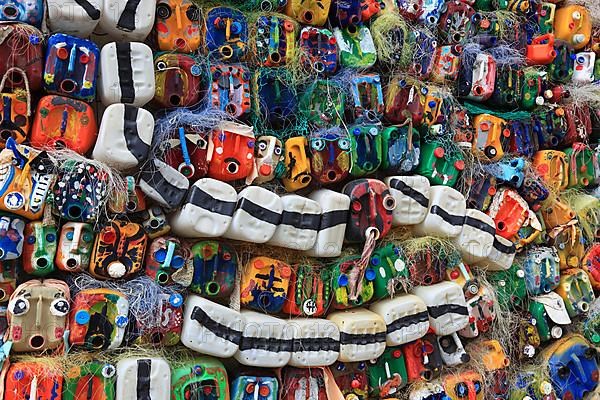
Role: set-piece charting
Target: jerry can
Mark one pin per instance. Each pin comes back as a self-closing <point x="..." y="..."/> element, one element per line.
<point x="401" y="149"/>
<point x="541" y="50"/>
<point x="313" y="12"/>
<point x="350" y="291"/>
<point x="323" y="104"/>
<point x="319" y="50"/>
<point x="491" y="136"/>
<point x="15" y="114"/>
<point x="23" y="48"/>
<point x="440" y="166"/>
<point x="39" y="247"/>
<point x="231" y="152"/>
<point x="330" y="152"/>
<point x="177" y="26"/>
<point x="167" y="261"/>
<point x="391" y="271"/>
<point x="476" y="81"/>
<point x="230" y="89"/>
<point x="367" y="95"/>
<point x="310" y="292"/>
<point x="275" y="99"/>
<point x="74" y="247"/>
<point x="561" y="68"/>
<point x="355" y="46"/>
<point x="365" y="149"/>
<point x="178" y="80"/>
<point x="275" y="40"/>
<point x="226" y="34"/>
<point x="265" y="284"/>
<point x="404" y="99"/>
<point x="573" y="24"/>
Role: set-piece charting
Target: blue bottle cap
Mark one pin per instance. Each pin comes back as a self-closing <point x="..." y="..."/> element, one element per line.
<point x="82" y="317"/>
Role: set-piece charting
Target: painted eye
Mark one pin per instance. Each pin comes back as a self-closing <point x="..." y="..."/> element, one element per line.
<point x="477" y="386"/>
<point x="87" y="237"/>
<point x="318" y="144"/>
<point x="192" y="13"/>
<point x="344" y="144"/>
<point x="20" y="120"/>
<point x="361" y="365"/>
<point x="18" y="306"/>
<point x="69" y="235"/>
<point x="161" y="66"/>
<point x="590" y="353"/>
<point x="202" y="144"/>
<point x="389" y="202"/>
<point x="50" y="237"/>
<point x="59" y="307"/>
<point x="341" y="366"/>
<point x="277" y="150"/>
<point x="564" y="372"/>
<point x="84" y="59"/>
<point x="163" y="11"/>
<point x="262" y="146"/>
<point x="461" y="390"/>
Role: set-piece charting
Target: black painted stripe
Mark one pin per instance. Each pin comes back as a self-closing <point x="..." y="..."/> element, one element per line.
<point x="478" y="224"/>
<point x="332" y="219"/>
<point x="125" y="72"/>
<point x="300" y="220"/>
<point x="144" y="367"/>
<point x="89" y="8"/>
<point x="135" y="145"/>
<point x="502" y="248"/>
<point x="455" y="220"/>
<point x="220" y="330"/>
<point x="438" y="311"/>
<point x="127" y="19"/>
<point x="200" y="198"/>
<point x="259" y="212"/>
<point x="171" y="194"/>
<point x="267" y="344"/>
<point x="315" y="344"/>
<point x="406" y="321"/>
<point x="361" y="339"/>
<point x="410" y="192"/>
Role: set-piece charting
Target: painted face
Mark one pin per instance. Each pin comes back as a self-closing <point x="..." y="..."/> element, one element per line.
<point x="345" y="13"/>
<point x="177" y="25"/>
<point x="39" y="248"/>
<point x="129" y="202"/>
<point x="465" y="385"/>
<point x="455" y="21"/>
<point x="365" y="149"/>
<point x="297" y="164"/>
<point x="199" y="375"/>
<point x="550" y="315"/>
<point x="572" y="367"/>
<point x="178" y="80"/>
<point x="22" y="11"/>
<point x="534" y="192"/>
<point x="275" y="40"/>
<point x="15" y="115"/>
<point x="264" y="284"/>
<point x="74" y="247"/>
<point x="573" y="25"/>
<point x="71" y="67"/>
<point x="371" y="207"/>
<point x="186" y="150"/>
<point x="424" y="55"/>
<point x="118" y="250"/>
<point x="423" y="358"/>
<point x="410" y="9"/>
<point x="541" y="270"/>
<point x="387" y="374"/>
<point x="269" y="157"/>
<point x="330" y="160"/>
<point x="492" y="355"/>
<point x="405" y="100"/>
<point x="356" y="47"/>
<point x="98" y="319"/>
<point x="23" y="47"/>
<point x="309" y="291"/>
<point x="476" y="81"/>
<point x="490" y="135"/>
<point x="93" y="378"/>
<point x="323" y="104"/>
<point x="510" y="212"/>
<point x="230" y="89"/>
<point x="533" y="384"/>
<point x="439" y="166"/>
<point x="312" y="12"/>
<point x="168" y="332"/>
<point x="506" y="90"/>
<point x="303" y="383"/>
<point x="426" y="268"/>
<point x="391" y="271"/>
<point x="367" y="95"/>
<point x="482" y="313"/>
<point x="401" y="149"/>
<point x="452" y="350"/>
<point x="570" y="247"/>
<point x="510" y="286"/>
<point x="350" y="290"/>
<point x="554" y="128"/>
<point x="561" y="68"/>
<point x="21" y="194"/>
<point x="215" y="266"/>
<point x="275" y="100"/>
<point x="247" y="387"/>
<point x="447" y="63"/>
<point x="167" y="261"/>
<point x="352" y="379"/>
<point x="318" y="47"/>
<point x="38" y="315"/>
<point x="591" y="264"/>
<point x="232" y="152"/>
<point x="226" y="34"/>
<point x="64" y="122"/>
<point x="576" y="291"/>
<point x="27" y="379"/>
<point x="80" y="192"/>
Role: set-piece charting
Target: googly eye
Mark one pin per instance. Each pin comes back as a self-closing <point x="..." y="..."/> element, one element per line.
<point x="161" y="66"/>
<point x="59" y="307"/>
<point x="108" y="371"/>
<point x="576" y="15"/>
<point x="344" y="144"/>
<point x="18" y="306"/>
<point x="317" y="144"/>
<point x="163" y="11"/>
